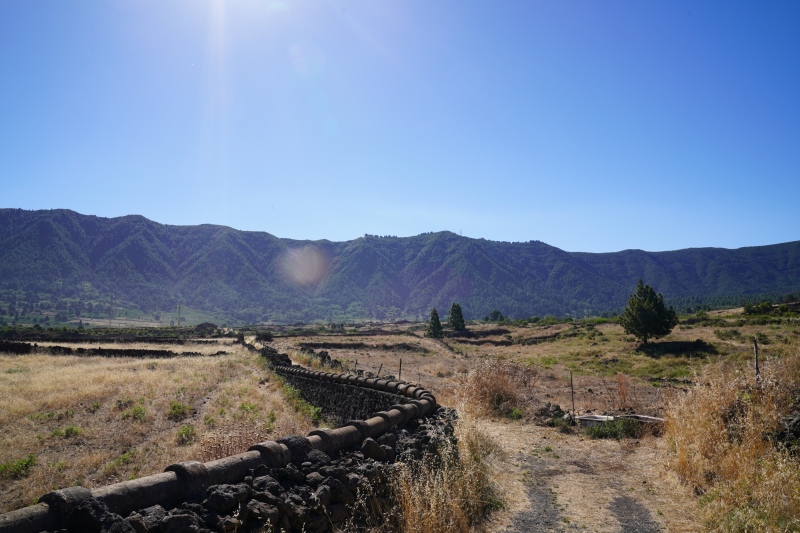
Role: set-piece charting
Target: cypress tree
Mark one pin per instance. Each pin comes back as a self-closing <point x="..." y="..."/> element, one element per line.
<point x="434" y="326"/>
<point x="456" y="318"/>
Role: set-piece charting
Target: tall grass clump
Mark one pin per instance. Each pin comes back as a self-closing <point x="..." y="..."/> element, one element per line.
<point x="727" y="442"/>
<point x="452" y="490"/>
<point x="498" y="388"/>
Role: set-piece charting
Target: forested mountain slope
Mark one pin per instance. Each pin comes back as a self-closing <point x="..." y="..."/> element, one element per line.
<point x="60" y="253"/>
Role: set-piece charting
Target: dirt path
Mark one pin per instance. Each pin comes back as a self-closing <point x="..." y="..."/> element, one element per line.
<point x="564" y="483"/>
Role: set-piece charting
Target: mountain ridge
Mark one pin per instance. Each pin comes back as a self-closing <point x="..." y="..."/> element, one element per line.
<point x="260" y="276"/>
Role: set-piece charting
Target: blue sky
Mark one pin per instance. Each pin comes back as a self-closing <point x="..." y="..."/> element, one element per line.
<point x="592" y="126"/>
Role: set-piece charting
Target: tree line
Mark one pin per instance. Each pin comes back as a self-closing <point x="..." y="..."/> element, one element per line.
<point x="646" y="316"/>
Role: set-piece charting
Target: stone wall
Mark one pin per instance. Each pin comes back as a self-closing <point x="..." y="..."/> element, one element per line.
<point x="22" y="348"/>
<point x="341" y="401"/>
<point x="331" y="479"/>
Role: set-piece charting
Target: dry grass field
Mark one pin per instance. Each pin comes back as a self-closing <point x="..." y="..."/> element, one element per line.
<point x="93" y="421"/>
<point x="504" y="379"/>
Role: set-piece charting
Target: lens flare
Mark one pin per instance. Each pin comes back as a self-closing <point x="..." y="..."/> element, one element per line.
<point x="305" y="266"/>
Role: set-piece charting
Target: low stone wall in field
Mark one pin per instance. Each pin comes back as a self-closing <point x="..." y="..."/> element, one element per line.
<point x="23" y="348"/>
<point x="331" y="479"/>
<point x="343" y="398"/>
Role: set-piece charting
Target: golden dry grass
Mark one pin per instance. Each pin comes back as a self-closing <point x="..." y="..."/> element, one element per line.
<point x="496" y="388"/>
<point x="455" y="490"/>
<point x="722" y="434"/>
<point x="130" y="417"/>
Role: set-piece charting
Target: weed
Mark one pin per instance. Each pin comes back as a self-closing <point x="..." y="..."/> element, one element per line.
<point x="58" y="466"/>
<point x="178" y="411"/>
<point x="93" y="407"/>
<point x="123" y="404"/>
<point x="248" y="407"/>
<point x="137" y="413"/>
<point x="209" y="421"/>
<point x="547" y="362"/>
<point x="186" y="434"/>
<point x="515" y="413"/>
<point x="18" y="370"/>
<point x="297" y="402"/>
<point x="18" y="469"/>
<point x="548" y="448"/>
<point x="112" y="468"/>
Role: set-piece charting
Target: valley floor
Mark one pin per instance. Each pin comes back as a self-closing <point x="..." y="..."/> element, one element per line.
<point x="93" y="421"/>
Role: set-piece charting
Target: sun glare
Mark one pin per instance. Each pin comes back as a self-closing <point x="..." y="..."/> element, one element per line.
<point x="305" y="266"/>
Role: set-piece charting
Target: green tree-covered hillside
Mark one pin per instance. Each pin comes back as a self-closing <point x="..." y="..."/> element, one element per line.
<point x="53" y="254"/>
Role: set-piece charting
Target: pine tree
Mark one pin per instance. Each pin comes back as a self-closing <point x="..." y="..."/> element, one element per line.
<point x="434" y="326"/>
<point x="456" y="318"/>
<point x="646" y="316"/>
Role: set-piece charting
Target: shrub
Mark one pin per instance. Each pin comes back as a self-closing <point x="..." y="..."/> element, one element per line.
<point x="559" y="423"/>
<point x="496" y="388"/>
<point x="727" y="335"/>
<point x="18" y="469"/>
<point x="763" y="308"/>
<point x="619" y="428"/>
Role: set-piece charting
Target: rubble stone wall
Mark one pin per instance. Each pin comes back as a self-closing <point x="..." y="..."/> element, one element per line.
<point x="331" y="479"/>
